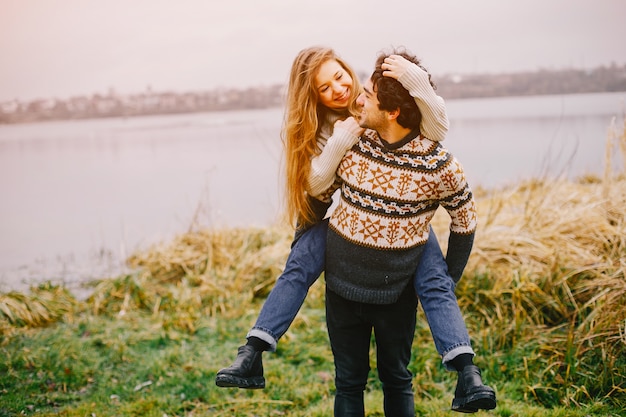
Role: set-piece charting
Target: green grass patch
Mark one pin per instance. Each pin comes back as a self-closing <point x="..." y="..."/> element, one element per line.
<point x="134" y="366"/>
<point x="544" y="299"/>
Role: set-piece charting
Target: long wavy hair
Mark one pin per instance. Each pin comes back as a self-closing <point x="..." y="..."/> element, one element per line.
<point x="303" y="119"/>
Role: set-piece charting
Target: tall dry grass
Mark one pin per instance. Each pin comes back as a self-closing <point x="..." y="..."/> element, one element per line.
<point x="536" y="241"/>
<point x="200" y="273"/>
<point x="44" y="305"/>
<point x="547" y="275"/>
<point x="548" y="271"/>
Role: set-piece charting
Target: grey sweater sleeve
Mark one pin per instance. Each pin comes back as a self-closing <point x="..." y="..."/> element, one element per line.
<point x="459" y="249"/>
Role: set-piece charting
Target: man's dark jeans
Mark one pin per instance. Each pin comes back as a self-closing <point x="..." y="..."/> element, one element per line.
<point x="350" y="327"/>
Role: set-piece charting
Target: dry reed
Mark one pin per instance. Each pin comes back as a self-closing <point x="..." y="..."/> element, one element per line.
<point x="205" y="272"/>
<point x="547" y="269"/>
<point x="44" y="305"/>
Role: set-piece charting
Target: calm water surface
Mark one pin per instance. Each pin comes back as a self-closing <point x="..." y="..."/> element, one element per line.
<point x="78" y="197"/>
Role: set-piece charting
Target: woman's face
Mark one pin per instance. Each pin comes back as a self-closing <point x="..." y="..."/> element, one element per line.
<point x="333" y="85"/>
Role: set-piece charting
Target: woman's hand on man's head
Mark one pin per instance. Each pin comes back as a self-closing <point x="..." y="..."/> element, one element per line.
<point x="395" y="66"/>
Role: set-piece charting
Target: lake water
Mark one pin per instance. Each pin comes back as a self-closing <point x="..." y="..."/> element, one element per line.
<point x="78" y="197"/>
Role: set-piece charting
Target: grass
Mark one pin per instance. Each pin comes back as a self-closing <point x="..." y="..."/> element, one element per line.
<point x="544" y="297"/>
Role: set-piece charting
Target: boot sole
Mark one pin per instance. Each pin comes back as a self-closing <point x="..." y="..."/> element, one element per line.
<point x="231" y="381"/>
<point x="474" y="402"/>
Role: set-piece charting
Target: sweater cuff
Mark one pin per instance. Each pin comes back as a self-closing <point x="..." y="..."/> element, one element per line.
<point x="435" y="123"/>
<point x="342" y="139"/>
<point x="416" y="81"/>
<point x="459" y="249"/>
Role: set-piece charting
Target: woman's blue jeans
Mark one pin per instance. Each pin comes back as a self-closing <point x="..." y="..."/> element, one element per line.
<point x="433" y="286"/>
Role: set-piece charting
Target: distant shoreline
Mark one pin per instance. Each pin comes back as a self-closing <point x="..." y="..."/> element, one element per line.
<point x="544" y="82"/>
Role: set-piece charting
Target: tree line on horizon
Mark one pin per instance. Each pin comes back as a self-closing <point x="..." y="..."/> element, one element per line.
<point x="542" y="82"/>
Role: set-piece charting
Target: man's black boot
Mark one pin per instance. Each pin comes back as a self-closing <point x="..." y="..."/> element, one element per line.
<point x="245" y="372"/>
<point x="471" y="395"/>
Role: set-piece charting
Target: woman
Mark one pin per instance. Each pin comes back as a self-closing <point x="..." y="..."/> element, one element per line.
<point x="318" y="129"/>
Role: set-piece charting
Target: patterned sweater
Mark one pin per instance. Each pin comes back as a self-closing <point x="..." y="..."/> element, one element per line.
<point x="389" y="194"/>
<point x="333" y="144"/>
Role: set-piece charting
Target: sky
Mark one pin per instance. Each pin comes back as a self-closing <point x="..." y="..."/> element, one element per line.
<point x="64" y="48"/>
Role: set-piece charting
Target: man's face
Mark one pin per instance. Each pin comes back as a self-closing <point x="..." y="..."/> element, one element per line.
<point x="371" y="117"/>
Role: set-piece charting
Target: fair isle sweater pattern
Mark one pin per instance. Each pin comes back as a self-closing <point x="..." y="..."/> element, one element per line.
<point x="324" y="164"/>
<point x="389" y="196"/>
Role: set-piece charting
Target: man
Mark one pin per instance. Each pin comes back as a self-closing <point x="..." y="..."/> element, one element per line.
<point x="392" y="182"/>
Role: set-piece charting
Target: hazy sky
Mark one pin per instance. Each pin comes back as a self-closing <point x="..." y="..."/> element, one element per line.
<point x="60" y="48"/>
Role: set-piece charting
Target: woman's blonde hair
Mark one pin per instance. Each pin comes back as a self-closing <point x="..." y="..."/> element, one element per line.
<point x="304" y="116"/>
